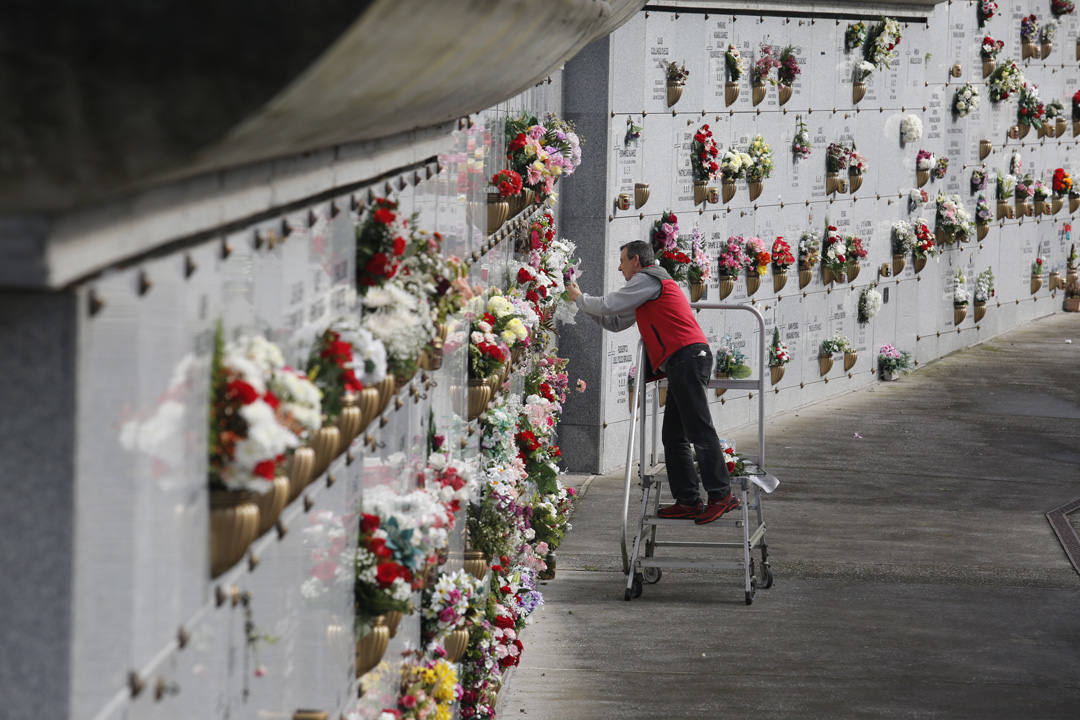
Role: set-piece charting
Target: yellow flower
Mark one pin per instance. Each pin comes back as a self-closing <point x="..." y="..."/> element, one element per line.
<point x="442" y="713"/>
<point x="517" y="327"/>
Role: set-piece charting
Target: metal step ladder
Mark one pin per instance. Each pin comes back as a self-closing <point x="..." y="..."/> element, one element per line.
<point x="640" y="563"/>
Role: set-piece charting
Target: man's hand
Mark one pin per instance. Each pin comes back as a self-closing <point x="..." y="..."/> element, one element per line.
<point x="573" y="291"/>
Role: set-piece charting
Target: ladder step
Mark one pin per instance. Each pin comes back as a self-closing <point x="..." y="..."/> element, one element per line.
<point x="685" y="522"/>
<point x="687" y="543"/>
<point x="691" y="564"/>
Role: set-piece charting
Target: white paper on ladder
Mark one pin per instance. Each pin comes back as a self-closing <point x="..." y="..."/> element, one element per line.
<point x="768" y="483"/>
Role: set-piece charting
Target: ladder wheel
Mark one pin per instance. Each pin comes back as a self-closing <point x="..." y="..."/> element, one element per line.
<point x="766" y="576"/>
<point x="652" y="575"/>
<point x="636" y="586"/>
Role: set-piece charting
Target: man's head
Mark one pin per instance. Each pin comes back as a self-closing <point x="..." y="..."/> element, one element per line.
<point x="633" y="256"/>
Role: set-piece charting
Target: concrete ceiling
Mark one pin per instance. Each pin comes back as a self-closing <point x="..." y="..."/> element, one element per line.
<point x="101" y="98"/>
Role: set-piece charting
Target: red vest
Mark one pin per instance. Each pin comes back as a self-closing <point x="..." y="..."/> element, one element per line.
<point x="667" y="324"/>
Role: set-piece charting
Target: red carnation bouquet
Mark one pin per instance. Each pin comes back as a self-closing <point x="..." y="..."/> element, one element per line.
<point x="781" y="254"/>
<point x="248" y="441"/>
<point x="380" y="243"/>
<point x="334" y="367"/>
<point x="507" y="183"/>
<point x="703" y="152"/>
<point x="487" y="352"/>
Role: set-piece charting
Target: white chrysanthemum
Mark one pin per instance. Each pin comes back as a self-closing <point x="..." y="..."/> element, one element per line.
<point x="911" y="128"/>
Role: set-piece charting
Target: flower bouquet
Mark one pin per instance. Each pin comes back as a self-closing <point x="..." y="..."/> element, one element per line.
<point x="953" y="223"/>
<point x="831" y="346"/>
<point x="349" y="403"/>
<point x="1042" y="193"/>
<point x="869" y="303"/>
<point x="782" y="259"/>
<point x="911" y="129"/>
<point x="541" y="152"/>
<point x="990" y="49"/>
<point x="380" y="243"/>
<point x="786" y="72"/>
<point x="1006" y="188"/>
<point x="1025" y="192"/>
<point x="855" y="35"/>
<point x="984" y="290"/>
<point x="834" y="256"/>
<point x="960" y="297"/>
<point x="248" y="440"/>
<point x="925" y="161"/>
<point x="855" y="252"/>
<point x="893" y="362"/>
<point x="429" y="690"/>
<point x="965" y="100"/>
<point x="761" y="165"/>
<point x="1062" y="185"/>
<point x="398" y="314"/>
<point x="1036" y="274"/>
<point x="881" y="43"/>
<point x="730" y="263"/>
<point x="856" y="168"/>
<point x="987" y="10"/>
<point x="779" y="356"/>
<point x="703" y="152"/>
<point x="924" y="246"/>
<point x="800" y="145"/>
<point x="983" y="216"/>
<point x="1004" y="81"/>
<point x="736" y="67"/>
<point x="1046" y="38"/>
<point x="669" y="246"/>
<point x="757" y="263"/>
<point x="676" y="76"/>
<point x="633" y="132"/>
<point x="978" y="179"/>
<point x="836" y="159"/>
<point x="1029" y="35"/>
<point x="941" y="168"/>
<point x="449" y="606"/>
<point x="1062" y="7"/>
<point x="1055" y="119"/>
<point x="700" y="267"/>
<point x="1030" y="112"/>
<point x="903" y="242"/>
<point x="733" y="165"/>
<point x="809" y="255"/>
<point x="761" y="72"/>
<point x="730" y="362"/>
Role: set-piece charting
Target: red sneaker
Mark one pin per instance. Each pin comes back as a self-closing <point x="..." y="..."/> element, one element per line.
<point x="716" y="508"/>
<point x="679" y="511"/>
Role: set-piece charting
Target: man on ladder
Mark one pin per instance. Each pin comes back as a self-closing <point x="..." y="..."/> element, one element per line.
<point x="677" y="347"/>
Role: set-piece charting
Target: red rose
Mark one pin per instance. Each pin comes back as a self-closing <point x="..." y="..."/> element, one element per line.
<point x="387" y="573"/>
<point x="384" y="216"/>
<point x="266" y="469"/>
<point x="671" y="218"/>
<point x="504" y="622"/>
<point x="523" y="276"/>
<point x="378" y="548"/>
<point x="399" y="245"/>
<point x="377" y="265"/>
<point x="242" y="391"/>
<point x="368" y="523"/>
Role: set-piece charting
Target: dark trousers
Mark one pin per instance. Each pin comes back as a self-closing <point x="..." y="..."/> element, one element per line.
<point x="687" y="421"/>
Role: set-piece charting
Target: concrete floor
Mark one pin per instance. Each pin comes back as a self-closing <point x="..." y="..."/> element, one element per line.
<point x="916" y="573"/>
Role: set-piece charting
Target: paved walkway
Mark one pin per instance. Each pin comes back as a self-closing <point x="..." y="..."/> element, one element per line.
<point x="916" y="573"/>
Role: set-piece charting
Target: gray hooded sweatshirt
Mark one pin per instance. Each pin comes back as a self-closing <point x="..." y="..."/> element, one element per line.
<point x="615" y="311"/>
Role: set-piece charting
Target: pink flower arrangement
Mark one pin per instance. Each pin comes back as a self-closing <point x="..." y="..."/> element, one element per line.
<point x="732" y="258"/>
<point x="764" y="66"/>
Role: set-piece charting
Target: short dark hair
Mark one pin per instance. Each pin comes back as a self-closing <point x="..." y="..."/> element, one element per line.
<point x="641" y="250"/>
